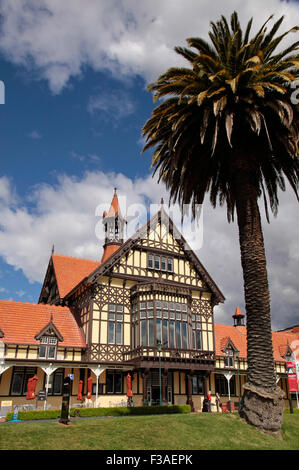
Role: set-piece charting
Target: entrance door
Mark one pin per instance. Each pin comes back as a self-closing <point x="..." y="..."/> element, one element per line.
<point x="155" y="395"/>
<point x="155" y="387"/>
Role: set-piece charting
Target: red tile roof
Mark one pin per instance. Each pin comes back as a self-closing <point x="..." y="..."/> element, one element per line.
<point x="237" y="334"/>
<point x="20" y="322"/>
<point x="70" y="271"/>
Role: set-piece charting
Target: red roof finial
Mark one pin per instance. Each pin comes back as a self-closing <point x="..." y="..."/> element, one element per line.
<point x="238" y="312"/>
<point x="114" y="206"/>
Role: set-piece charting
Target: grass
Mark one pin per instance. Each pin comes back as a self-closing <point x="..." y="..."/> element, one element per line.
<point x="168" y="432"/>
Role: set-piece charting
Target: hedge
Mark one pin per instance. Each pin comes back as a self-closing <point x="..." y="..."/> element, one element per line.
<point x="134" y="410"/>
<point x="35" y="414"/>
<point x="94" y="412"/>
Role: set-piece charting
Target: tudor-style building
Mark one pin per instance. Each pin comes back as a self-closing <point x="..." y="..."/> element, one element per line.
<point x="145" y="308"/>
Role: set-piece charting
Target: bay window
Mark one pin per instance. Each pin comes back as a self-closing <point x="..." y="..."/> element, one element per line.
<point x="156" y="321"/>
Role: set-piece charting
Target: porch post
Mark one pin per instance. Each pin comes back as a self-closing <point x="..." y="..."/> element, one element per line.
<point x="144" y="377"/>
<point x="189" y="390"/>
<point x="48" y="370"/>
<point x="164" y="385"/>
<point x="206" y="384"/>
<point x="97" y="370"/>
<point x="228" y="376"/>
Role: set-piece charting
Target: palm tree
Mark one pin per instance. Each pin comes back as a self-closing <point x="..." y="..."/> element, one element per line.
<point x="226" y="126"/>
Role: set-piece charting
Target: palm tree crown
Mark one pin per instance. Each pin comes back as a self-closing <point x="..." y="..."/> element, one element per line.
<point x="234" y="100"/>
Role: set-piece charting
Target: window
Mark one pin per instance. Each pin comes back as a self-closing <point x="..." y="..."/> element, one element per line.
<point x="160" y="321"/>
<point x="100" y="389"/>
<point x="113" y="382"/>
<point x="19" y="380"/>
<point x="115" y="324"/>
<point x="47" y="348"/>
<point x="161" y="263"/>
<point x="197" y="385"/>
<point x="157" y="262"/>
<point x="55" y="382"/>
<point x="221" y="385"/>
<point x="150" y="261"/>
<point x="196" y="332"/>
<point x="229" y="358"/>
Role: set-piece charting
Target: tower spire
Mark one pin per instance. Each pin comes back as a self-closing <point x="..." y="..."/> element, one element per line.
<point x="238" y="317"/>
<point x="114" y="228"/>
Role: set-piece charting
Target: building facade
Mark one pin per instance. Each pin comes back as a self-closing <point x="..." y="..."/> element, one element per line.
<point x="145" y="309"/>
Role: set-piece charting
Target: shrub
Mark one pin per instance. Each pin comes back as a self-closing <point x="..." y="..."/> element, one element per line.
<point x="35" y="414"/>
<point x="94" y="412"/>
<point x="134" y="410"/>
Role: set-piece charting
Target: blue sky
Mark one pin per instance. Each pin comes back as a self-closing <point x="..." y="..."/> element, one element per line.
<point x="93" y="124"/>
<point x="75" y="104"/>
<point x="42" y="133"/>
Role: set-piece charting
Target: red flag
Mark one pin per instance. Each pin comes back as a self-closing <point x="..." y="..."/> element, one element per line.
<point x="292" y="377"/>
<point x="80" y="388"/>
<point x="31" y="388"/>
<point x="89" y="387"/>
<point x="129" y="386"/>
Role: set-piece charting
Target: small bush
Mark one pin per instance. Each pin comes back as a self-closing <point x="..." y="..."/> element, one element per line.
<point x="94" y="412"/>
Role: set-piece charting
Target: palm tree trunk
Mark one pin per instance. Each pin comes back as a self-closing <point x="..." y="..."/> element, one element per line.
<point x="262" y="400"/>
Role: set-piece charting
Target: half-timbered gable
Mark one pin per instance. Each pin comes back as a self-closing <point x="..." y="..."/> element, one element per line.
<point x="151" y="289"/>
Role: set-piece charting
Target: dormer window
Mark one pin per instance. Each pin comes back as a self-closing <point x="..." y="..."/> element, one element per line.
<point x="48" y="347"/>
<point x="48" y="339"/>
<point x="229" y="358"/>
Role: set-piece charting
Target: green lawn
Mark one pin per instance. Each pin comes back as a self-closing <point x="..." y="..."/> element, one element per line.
<point x="169" y="432"/>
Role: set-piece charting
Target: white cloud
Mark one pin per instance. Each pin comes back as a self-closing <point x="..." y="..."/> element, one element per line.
<point x="88" y="158"/>
<point x="58" y="39"/>
<point x="20" y="293"/>
<point x="64" y="215"/>
<point x="35" y="134"/>
<point x="113" y="105"/>
<point x="7" y="192"/>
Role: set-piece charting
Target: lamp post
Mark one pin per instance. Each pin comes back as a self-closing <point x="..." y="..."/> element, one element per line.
<point x="159" y="345"/>
<point x="237" y="353"/>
